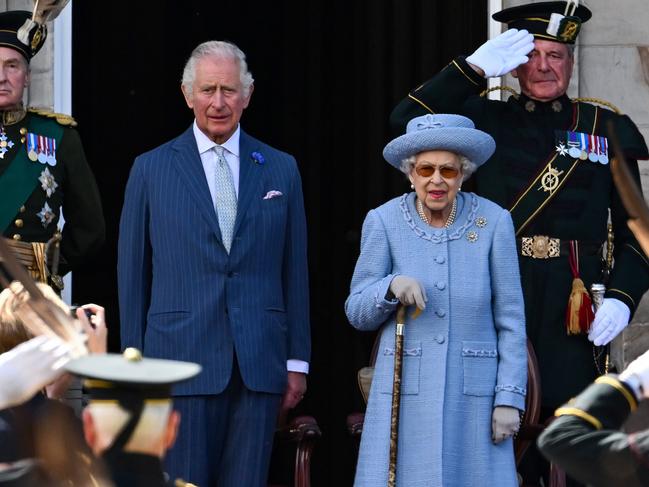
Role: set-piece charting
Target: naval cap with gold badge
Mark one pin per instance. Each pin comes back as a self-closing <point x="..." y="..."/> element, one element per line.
<point x="553" y="21"/>
<point x="130" y="377"/>
<point x="19" y="32"/>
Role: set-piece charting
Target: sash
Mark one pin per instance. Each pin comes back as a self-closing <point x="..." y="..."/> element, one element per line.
<point x="20" y="179"/>
<point x="558" y="167"/>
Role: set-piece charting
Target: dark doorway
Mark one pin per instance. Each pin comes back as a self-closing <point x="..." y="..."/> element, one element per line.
<point x="327" y="74"/>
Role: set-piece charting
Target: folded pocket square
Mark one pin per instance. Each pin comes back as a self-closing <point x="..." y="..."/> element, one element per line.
<point x="272" y="194"/>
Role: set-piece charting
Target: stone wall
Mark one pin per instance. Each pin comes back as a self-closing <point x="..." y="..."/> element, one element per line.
<point x="612" y="63"/>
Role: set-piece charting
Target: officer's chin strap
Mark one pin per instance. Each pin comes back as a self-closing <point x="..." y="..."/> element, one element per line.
<point x="134" y="406"/>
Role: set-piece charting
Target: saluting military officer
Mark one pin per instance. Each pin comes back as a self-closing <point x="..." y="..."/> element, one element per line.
<point x="129" y="422"/>
<point x="43" y="168"/>
<point x="551" y="170"/>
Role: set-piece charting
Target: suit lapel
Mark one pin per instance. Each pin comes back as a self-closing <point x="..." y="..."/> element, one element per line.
<point x="188" y="163"/>
<point x="250" y="177"/>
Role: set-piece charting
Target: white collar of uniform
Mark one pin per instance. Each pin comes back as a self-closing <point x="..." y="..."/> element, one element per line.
<point x="205" y="144"/>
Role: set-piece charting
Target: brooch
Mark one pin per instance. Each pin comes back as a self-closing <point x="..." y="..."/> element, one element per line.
<point x="258" y="157"/>
<point x="46" y="215"/>
<point x="48" y="183"/>
<point x="481" y="222"/>
<point x="472" y="236"/>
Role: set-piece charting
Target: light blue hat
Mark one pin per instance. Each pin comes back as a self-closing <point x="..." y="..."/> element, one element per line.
<point x="453" y="133"/>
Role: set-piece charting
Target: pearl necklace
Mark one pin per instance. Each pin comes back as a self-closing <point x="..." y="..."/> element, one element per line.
<point x="449" y="220"/>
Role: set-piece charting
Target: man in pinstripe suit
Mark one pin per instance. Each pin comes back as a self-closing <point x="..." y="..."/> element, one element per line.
<point x="212" y="269"/>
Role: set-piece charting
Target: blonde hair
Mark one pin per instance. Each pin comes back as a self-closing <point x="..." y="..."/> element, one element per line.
<point x="12" y="329"/>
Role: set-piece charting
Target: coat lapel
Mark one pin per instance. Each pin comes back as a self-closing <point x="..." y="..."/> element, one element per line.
<point x="250" y="177"/>
<point x="189" y="166"/>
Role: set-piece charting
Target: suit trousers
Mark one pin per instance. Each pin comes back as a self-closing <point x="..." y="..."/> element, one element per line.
<point x="225" y="440"/>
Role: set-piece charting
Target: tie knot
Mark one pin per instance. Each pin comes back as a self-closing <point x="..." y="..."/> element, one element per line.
<point x="219" y="150"/>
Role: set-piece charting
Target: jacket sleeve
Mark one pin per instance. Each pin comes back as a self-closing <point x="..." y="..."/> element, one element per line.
<point x="366" y="306"/>
<point x="134" y="260"/>
<point x="295" y="274"/>
<point x="84" y="231"/>
<point x="446" y="92"/>
<point x="509" y="316"/>
<point x="586" y="442"/>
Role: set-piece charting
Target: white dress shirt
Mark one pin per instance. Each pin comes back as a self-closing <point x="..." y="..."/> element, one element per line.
<point x="231" y="154"/>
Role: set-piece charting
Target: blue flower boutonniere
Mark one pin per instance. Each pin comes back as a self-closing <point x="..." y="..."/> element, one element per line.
<point x="258" y="157"/>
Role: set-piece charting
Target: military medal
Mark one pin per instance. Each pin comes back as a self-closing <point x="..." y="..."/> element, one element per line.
<point x="5" y="144"/>
<point x="42" y="155"/>
<point x="51" y="151"/>
<point x="573" y="145"/>
<point x="602" y="157"/>
<point x="594" y="148"/>
<point x="46" y="215"/>
<point x="561" y="149"/>
<point x="48" y="183"/>
<point x="583" y="154"/>
<point x="31" y="147"/>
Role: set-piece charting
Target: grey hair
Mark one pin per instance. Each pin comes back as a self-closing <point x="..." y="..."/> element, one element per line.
<point x="467" y="165"/>
<point x="218" y="49"/>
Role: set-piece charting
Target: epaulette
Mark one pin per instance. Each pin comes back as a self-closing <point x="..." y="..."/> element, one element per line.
<point x="61" y="118"/>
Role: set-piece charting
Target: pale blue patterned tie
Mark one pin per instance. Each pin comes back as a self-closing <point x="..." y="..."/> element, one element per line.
<point x="226" y="198"/>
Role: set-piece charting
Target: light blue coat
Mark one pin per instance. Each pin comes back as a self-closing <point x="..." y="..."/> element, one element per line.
<point x="464" y="355"/>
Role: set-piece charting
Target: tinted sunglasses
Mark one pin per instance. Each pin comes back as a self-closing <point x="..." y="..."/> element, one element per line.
<point x="447" y="172"/>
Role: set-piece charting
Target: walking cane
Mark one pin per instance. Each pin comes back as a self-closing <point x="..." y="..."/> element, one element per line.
<point x="396" y="395"/>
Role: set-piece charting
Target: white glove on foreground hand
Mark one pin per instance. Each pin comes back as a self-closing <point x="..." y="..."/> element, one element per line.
<point x="408" y="291"/>
<point x="29" y="367"/>
<point x="505" y="422"/>
<point x="503" y="53"/>
<point x="640" y="369"/>
<point x="611" y="318"/>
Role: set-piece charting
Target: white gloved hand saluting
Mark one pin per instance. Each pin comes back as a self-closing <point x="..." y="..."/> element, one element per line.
<point x="408" y="291"/>
<point x="503" y="53"/>
<point x="639" y="369"/>
<point x="505" y="421"/>
<point x="610" y="319"/>
<point x="30" y="366"/>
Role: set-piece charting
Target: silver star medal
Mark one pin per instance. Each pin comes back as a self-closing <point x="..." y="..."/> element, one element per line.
<point x="562" y="149"/>
<point x="46" y="215"/>
<point x="48" y="183"/>
<point x="5" y="144"/>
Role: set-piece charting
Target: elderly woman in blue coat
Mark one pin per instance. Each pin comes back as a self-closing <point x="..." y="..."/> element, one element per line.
<point x="453" y="255"/>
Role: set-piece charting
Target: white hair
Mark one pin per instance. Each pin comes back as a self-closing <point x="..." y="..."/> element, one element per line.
<point x="109" y="419"/>
<point x="222" y="50"/>
<point x="467" y="165"/>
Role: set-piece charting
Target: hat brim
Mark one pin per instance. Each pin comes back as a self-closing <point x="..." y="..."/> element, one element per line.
<point x="476" y="145"/>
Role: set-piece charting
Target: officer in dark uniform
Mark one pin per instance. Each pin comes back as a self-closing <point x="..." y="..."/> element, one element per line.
<point x="551" y="170"/>
<point x="129" y="422"/>
<point x="585" y="439"/>
<point x="43" y="168"/>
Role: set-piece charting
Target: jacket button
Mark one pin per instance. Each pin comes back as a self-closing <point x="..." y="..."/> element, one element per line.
<point x="18" y="223"/>
<point x="440" y="285"/>
<point x="22" y="209"/>
<point x="441" y="313"/>
<point x="440" y="259"/>
<point x="17" y="236"/>
<point x="439" y="338"/>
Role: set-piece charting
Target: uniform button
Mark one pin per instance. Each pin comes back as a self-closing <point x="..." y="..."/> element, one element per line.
<point x="22" y="209"/>
<point x="17" y="236"/>
<point x="440" y="285"/>
<point x="19" y="223"/>
<point x="23" y="131"/>
<point x="440" y="259"/>
<point x="439" y="338"/>
<point x="441" y="313"/>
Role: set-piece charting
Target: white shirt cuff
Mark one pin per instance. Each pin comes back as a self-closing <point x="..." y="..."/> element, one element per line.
<point x="293" y="365"/>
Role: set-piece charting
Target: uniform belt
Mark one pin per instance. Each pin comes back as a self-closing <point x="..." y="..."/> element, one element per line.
<point x="544" y="247"/>
<point x="31" y="255"/>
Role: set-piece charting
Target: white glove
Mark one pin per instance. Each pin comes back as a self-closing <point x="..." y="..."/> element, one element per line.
<point x="505" y="421"/>
<point x="30" y="366"/>
<point x="639" y="368"/>
<point x="503" y="53"/>
<point x="408" y="291"/>
<point x="611" y="318"/>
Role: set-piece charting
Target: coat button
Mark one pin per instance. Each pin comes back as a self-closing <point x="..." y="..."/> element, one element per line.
<point x="440" y="285"/>
<point x="439" y="338"/>
<point x="440" y="259"/>
<point x="18" y="223"/>
<point x="17" y="236"/>
<point x="22" y="209"/>
<point x="441" y="313"/>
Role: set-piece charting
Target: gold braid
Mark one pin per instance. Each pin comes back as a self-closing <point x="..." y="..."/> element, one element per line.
<point x="496" y="88"/>
<point x="599" y="102"/>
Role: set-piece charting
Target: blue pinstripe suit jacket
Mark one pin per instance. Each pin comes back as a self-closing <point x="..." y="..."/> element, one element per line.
<point x="183" y="297"/>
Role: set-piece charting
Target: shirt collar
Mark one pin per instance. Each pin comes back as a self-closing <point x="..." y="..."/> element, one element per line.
<point x="204" y="143"/>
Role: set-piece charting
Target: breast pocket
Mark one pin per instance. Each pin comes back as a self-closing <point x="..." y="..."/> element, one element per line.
<point x="480" y="365"/>
<point x="411" y="364"/>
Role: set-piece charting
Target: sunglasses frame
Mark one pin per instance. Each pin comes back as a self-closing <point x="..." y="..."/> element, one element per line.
<point x="442" y="169"/>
